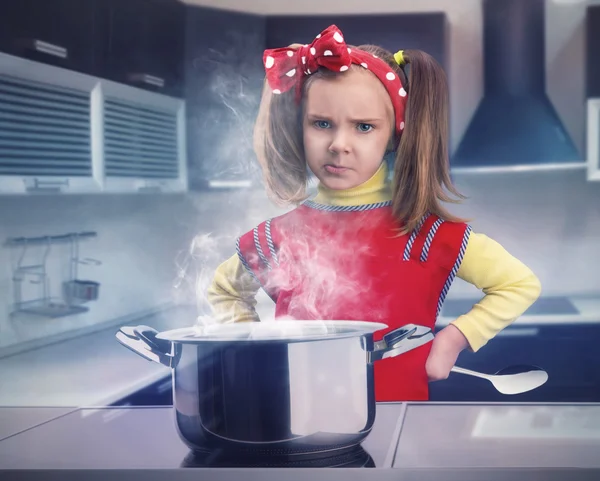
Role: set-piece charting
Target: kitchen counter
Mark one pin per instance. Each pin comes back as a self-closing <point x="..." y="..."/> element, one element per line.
<point x="420" y="441"/>
<point x="90" y="370"/>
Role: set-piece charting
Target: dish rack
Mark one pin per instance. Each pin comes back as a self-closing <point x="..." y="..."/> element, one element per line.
<point x="75" y="292"/>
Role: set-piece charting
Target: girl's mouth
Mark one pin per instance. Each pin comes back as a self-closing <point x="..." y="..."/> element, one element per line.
<point x="335" y="169"/>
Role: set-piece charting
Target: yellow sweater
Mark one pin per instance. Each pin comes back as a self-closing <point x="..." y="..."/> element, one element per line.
<point x="510" y="287"/>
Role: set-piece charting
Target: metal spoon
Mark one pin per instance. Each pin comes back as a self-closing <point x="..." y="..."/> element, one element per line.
<point x="512" y="379"/>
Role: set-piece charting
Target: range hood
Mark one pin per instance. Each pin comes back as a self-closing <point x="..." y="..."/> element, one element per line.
<point x="515" y="123"/>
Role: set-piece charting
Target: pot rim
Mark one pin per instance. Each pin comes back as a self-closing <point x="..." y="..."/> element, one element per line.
<point x="271" y="331"/>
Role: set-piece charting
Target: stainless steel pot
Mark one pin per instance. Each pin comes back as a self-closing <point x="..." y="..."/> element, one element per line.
<point x="283" y="387"/>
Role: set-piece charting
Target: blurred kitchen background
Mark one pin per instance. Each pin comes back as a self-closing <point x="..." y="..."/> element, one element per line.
<point x="125" y="152"/>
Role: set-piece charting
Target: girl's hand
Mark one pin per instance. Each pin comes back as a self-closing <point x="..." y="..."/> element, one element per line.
<point x="447" y="345"/>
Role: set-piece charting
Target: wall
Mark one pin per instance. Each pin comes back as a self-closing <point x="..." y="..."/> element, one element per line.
<point x="151" y="258"/>
<point x="135" y="274"/>
<point x="550" y="220"/>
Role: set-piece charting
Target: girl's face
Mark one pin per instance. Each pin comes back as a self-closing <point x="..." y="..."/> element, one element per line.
<point x="347" y="126"/>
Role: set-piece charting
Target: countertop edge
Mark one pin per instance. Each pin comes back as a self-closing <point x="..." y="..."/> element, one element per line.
<point x="302" y="474"/>
<point x="70" y="335"/>
<point x="545" y="320"/>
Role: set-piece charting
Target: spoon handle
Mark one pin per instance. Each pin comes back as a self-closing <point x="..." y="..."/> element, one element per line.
<point x="462" y="370"/>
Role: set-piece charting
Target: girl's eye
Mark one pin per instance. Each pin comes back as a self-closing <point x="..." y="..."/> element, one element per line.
<point x="365" y="127"/>
<point x="322" y="124"/>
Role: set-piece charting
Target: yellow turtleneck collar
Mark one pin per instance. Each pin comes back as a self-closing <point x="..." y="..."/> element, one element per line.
<point x="374" y="190"/>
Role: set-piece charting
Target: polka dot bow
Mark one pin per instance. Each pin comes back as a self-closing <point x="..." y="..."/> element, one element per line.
<point x="287" y="67"/>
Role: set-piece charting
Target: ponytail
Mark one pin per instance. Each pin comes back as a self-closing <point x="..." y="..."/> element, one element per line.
<point x="278" y="147"/>
<point x="422" y="166"/>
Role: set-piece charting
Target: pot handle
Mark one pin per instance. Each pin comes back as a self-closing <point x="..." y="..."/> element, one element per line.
<point x="399" y="341"/>
<point x="142" y="340"/>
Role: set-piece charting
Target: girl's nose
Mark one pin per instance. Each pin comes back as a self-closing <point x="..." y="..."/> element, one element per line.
<point x="341" y="142"/>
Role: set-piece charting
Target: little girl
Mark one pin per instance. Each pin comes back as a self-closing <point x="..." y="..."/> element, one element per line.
<point x="366" y="248"/>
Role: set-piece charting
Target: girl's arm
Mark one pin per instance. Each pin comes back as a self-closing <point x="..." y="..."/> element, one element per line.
<point x="232" y="294"/>
<point x="510" y="288"/>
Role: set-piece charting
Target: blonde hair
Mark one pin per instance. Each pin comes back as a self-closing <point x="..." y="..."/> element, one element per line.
<point x="421" y="169"/>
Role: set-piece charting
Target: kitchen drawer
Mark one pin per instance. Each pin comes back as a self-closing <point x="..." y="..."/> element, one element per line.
<point x="144" y="46"/>
<point x="64" y="33"/>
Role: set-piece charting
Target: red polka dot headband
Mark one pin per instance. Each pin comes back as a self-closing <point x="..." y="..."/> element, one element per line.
<point x="287" y="67"/>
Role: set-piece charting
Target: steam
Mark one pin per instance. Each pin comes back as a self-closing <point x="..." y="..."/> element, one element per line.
<point x="195" y="271"/>
<point x="328" y="273"/>
<point x="228" y="92"/>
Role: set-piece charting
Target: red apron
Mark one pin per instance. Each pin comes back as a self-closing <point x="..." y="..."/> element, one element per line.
<point x="350" y="263"/>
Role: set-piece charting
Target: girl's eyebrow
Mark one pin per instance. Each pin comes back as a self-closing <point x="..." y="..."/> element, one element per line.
<point x="356" y="120"/>
<point x="366" y="121"/>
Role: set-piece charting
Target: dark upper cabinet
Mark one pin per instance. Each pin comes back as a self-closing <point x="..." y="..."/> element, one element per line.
<point x="424" y="31"/>
<point x="144" y="44"/>
<point x="65" y="33"/>
<point x="592" y="48"/>
<point x="134" y="42"/>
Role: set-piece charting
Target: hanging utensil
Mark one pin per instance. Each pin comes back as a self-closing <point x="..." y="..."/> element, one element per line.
<point x="77" y="291"/>
<point x="35" y="273"/>
<point x="511" y="380"/>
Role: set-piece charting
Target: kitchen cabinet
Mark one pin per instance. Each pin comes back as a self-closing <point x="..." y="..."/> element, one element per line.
<point x="65" y="33"/>
<point x="96" y="123"/>
<point x="69" y="132"/>
<point x="134" y="42"/>
<point x="223" y="77"/>
<point x="592" y="32"/>
<point x="144" y="44"/>
<point x="593" y="139"/>
<point x="568" y="353"/>
<point x="593" y="92"/>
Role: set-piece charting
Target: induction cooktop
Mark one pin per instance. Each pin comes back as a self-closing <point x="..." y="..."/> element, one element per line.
<point x="421" y="441"/>
<point x="146" y="437"/>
